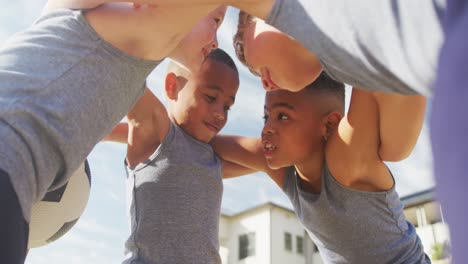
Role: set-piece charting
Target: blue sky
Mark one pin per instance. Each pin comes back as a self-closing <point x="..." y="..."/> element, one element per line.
<point x="100" y="234"/>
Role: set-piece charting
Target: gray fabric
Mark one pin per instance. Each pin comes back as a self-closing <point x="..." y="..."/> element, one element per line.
<point x="63" y="89"/>
<point x="383" y="45"/>
<point x="350" y="226"/>
<point x="174" y="201"/>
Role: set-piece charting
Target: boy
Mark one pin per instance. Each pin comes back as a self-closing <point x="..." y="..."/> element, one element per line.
<point x="67" y="81"/>
<point x="174" y="177"/>
<point x="332" y="169"/>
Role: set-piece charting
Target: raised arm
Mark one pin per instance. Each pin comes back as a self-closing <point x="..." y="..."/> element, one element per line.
<point x="377" y="127"/>
<point x="246" y="152"/>
<point x="119" y="134"/>
<point x="148" y="125"/>
<point x="400" y="122"/>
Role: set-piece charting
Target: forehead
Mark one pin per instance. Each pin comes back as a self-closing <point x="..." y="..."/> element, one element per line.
<point x="298" y="100"/>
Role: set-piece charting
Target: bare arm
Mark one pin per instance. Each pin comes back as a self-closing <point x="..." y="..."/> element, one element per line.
<point x="75" y="4"/>
<point x="246" y="152"/>
<point x="400" y="119"/>
<point x="258" y="8"/>
<point x="140" y="32"/>
<point x="148" y="125"/>
<point x="119" y="134"/>
<point x="232" y="170"/>
<point x="354" y="153"/>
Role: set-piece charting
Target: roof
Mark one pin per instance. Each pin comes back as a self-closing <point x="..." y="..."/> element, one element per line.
<point x="229" y="213"/>
<point x="419" y="198"/>
<point x="414" y="199"/>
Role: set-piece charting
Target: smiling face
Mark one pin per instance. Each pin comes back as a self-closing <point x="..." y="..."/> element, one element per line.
<point x="280" y="61"/>
<point x="293" y="130"/>
<point x="201" y="107"/>
<point x="197" y="44"/>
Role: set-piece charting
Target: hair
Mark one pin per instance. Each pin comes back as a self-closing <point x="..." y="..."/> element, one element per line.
<point x="238" y="40"/>
<point x="326" y="87"/>
<point x="219" y="55"/>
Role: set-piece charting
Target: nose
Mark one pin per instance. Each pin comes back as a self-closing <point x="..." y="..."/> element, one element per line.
<point x="219" y="113"/>
<point x="268" y="129"/>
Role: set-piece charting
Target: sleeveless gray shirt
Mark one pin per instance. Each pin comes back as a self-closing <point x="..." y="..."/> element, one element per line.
<point x="174" y="201"/>
<point x="63" y="88"/>
<point x="351" y="226"/>
<point x="380" y="45"/>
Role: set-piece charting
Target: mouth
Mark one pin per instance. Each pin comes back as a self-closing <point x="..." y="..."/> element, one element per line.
<point x="213" y="127"/>
<point x="268" y="149"/>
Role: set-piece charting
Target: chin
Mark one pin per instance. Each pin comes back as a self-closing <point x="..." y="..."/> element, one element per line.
<point x="274" y="165"/>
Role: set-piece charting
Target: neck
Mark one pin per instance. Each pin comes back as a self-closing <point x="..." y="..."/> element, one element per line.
<point x="310" y="171"/>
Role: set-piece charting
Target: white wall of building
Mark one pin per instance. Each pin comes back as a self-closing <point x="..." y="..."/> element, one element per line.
<point x="284" y="221"/>
<point x="269" y="223"/>
<point x="257" y="222"/>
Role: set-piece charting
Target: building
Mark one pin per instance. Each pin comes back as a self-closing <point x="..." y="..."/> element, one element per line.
<point x="272" y="234"/>
<point x="266" y="234"/>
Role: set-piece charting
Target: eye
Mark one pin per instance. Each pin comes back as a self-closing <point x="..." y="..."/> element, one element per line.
<point x="265" y="118"/>
<point x="209" y="98"/>
<point x="282" y="116"/>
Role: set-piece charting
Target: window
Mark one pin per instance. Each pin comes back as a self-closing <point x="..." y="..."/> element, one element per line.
<point x="287" y="241"/>
<point x="300" y="245"/>
<point x="246" y="245"/>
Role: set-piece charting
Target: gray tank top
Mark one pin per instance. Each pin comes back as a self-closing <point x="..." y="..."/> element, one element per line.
<point x="174" y="201"/>
<point x="351" y="226"/>
<point x="63" y="88"/>
<point x="383" y="45"/>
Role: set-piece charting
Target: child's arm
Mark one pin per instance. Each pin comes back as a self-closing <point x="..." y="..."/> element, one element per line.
<point x="232" y="170"/>
<point x="400" y="122"/>
<point x="119" y="134"/>
<point x="258" y="8"/>
<point x="75" y="4"/>
<point x="246" y="152"/>
<point x="148" y="125"/>
<point x="354" y="152"/>
<point x="140" y="32"/>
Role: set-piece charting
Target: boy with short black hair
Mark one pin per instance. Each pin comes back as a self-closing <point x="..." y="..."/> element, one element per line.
<point x="174" y="181"/>
<point x="332" y="169"/>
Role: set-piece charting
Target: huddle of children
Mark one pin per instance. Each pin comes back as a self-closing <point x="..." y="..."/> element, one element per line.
<point x="329" y="163"/>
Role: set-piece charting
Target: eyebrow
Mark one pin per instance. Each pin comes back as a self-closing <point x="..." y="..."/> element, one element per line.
<point x="281" y="104"/>
<point x="217" y="88"/>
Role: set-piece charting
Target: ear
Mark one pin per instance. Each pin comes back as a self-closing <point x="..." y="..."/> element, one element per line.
<point x="170" y="86"/>
<point x="330" y="123"/>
